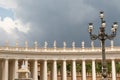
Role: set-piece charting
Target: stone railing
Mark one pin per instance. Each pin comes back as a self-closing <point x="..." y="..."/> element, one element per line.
<point x="96" y="49"/>
<point x="45" y="48"/>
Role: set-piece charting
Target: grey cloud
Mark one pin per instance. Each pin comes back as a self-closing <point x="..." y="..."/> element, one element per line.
<point x="63" y="20"/>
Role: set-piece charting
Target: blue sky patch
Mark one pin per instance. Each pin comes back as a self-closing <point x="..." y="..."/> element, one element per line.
<point x="6" y="13"/>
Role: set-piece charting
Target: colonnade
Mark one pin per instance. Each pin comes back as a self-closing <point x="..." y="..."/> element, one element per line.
<point x="9" y="68"/>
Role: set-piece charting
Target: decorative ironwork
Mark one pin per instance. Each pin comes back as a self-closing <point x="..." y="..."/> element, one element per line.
<point x="102" y="36"/>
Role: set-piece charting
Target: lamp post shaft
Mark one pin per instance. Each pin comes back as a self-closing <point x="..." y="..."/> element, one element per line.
<point x="102" y="36"/>
<point x="104" y="68"/>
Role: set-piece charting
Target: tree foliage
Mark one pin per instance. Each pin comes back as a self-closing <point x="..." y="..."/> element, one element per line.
<point x="79" y="67"/>
<point x="98" y="67"/>
<point x="118" y="67"/>
<point x="89" y="67"/>
<point x="109" y="67"/>
<point x="69" y="67"/>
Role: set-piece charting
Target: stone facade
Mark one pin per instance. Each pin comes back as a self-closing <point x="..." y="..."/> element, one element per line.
<point x="37" y="59"/>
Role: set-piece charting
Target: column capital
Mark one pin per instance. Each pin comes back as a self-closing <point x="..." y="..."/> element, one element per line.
<point x="6" y="58"/>
<point x="16" y="59"/>
<point x="63" y="59"/>
<point x="83" y="59"/>
<point x="45" y="60"/>
<point x="26" y="59"/>
<point x="54" y="59"/>
<point x="93" y="59"/>
<point x="112" y="58"/>
<point x="35" y="59"/>
<point x="73" y="59"/>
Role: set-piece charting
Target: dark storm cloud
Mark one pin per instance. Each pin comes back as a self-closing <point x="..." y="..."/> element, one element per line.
<point x="63" y="20"/>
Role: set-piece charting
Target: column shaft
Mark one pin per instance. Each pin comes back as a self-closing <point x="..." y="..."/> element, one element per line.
<point x="45" y="70"/>
<point x="73" y="70"/>
<point x="15" y="69"/>
<point x="113" y="70"/>
<point x="64" y="72"/>
<point x="35" y="70"/>
<point x="93" y="70"/>
<point x="83" y="70"/>
<point x="54" y="70"/>
<point x="0" y="69"/>
<point x="5" y="70"/>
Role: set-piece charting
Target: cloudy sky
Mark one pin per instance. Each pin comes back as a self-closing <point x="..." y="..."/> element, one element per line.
<point x="55" y="20"/>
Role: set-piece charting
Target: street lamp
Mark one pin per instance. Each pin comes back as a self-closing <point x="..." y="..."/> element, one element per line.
<point x="102" y="36"/>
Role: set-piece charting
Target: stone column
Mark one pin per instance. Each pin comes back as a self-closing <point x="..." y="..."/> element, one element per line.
<point x="93" y="70"/>
<point x="35" y="70"/>
<point x="16" y="69"/>
<point x="73" y="70"/>
<point x="54" y="70"/>
<point x="5" y="70"/>
<point x="64" y="72"/>
<point x="83" y="70"/>
<point x="1" y="69"/>
<point x="113" y="70"/>
<point x="45" y="70"/>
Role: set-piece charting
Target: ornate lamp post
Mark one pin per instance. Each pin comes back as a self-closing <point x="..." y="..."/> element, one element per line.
<point x="102" y="36"/>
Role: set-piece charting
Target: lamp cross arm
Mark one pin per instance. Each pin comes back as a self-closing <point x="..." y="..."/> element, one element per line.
<point x="93" y="36"/>
<point x="111" y="36"/>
